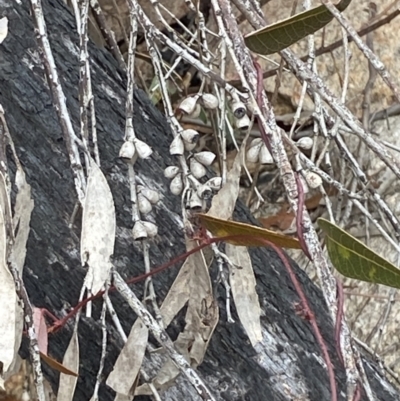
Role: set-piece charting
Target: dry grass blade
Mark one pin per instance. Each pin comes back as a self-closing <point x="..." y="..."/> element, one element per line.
<point x="67" y="385"/>
<point x="243" y="285"/>
<point x="98" y="230"/>
<point x="123" y="378"/>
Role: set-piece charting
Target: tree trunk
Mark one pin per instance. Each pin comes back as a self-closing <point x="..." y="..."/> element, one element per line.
<point x="289" y="364"/>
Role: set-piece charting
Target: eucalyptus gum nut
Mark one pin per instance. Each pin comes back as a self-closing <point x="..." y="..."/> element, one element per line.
<point x="196" y="112"/>
<point x="313" y="179"/>
<point x="144" y="204"/>
<point x="209" y="101"/>
<point x="204" y="192"/>
<point x="265" y="156"/>
<point x="128" y="152"/>
<point x="214" y="183"/>
<point x="190" y="136"/>
<point x="197" y="169"/>
<point x="243" y="123"/>
<point x="253" y="153"/>
<point x="195" y="202"/>
<point x="188" y="105"/>
<point x="151" y="229"/>
<point x="152" y="195"/>
<point x="171" y="171"/>
<point x="238" y="109"/>
<point x="143" y="150"/>
<point x="139" y="231"/>
<point x="305" y="143"/>
<point x="176" y="185"/>
<point x="177" y="148"/>
<point x="206" y="158"/>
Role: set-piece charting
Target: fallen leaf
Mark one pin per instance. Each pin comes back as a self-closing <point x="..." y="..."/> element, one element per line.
<point x="243" y="285"/>
<point x="57" y="365"/>
<point x="98" y="230"/>
<point x="3" y="28"/>
<point x="126" y="369"/>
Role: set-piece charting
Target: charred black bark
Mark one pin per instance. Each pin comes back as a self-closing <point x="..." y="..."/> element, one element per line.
<point x="53" y="274"/>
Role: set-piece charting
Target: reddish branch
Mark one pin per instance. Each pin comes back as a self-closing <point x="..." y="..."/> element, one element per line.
<point x="245" y="238"/>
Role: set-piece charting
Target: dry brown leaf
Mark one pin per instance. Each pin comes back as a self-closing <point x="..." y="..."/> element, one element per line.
<point x="243" y="285"/>
<point x="66" y="388"/>
<point x="126" y="368"/>
<point x="98" y="230"/>
<point x="57" y="365"/>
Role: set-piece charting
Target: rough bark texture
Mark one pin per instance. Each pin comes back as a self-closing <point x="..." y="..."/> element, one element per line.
<point x="287" y="367"/>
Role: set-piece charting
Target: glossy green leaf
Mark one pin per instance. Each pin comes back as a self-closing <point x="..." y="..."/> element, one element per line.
<point x="276" y="37"/>
<point x="353" y="259"/>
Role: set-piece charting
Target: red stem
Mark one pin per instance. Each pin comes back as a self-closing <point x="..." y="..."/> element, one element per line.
<point x="299" y="216"/>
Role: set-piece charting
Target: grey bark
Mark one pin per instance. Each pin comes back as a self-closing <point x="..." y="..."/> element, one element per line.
<point x="289" y="364"/>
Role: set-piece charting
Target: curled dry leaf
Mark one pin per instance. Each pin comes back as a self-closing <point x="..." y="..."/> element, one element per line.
<point x="68" y="382"/>
<point x="243" y="285"/>
<point x="129" y="360"/>
<point x="98" y="230"/>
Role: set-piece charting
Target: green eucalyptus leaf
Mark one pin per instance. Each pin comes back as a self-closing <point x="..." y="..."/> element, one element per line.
<point x="353" y="259"/>
<point x="276" y="37"/>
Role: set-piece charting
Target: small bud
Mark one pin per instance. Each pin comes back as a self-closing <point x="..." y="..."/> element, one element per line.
<point x="143" y="150"/>
<point x="139" y="231"/>
<point x="176" y="185"/>
<point x="313" y="179"/>
<point x="209" y="101"/>
<point x="197" y="169"/>
<point x="176" y="148"/>
<point x="128" y="152"/>
<point x="265" y="156"/>
<point x="238" y="109"/>
<point x="305" y="143"/>
<point x="151" y="229"/>
<point x="171" y="171"/>
<point x="205" y="158"/>
<point x="144" y="204"/>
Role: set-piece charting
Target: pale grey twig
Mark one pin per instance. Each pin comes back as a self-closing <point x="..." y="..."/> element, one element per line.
<point x="368" y="53"/>
<point x="58" y="98"/>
